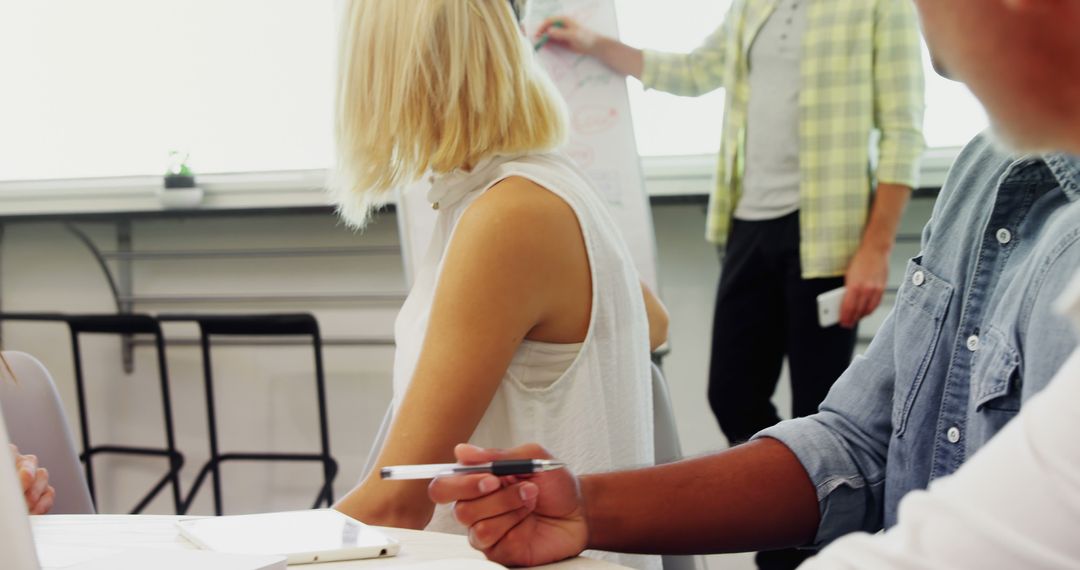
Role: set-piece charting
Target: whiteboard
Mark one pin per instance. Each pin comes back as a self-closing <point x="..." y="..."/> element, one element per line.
<point x="601" y="141"/>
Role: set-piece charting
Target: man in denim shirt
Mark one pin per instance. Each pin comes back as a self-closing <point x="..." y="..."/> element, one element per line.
<point x="972" y="337"/>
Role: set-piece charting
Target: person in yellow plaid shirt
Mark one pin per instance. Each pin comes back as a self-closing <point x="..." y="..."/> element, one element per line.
<point x="810" y="85"/>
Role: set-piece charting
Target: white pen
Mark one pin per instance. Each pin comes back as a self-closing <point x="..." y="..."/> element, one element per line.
<point x="500" y="468"/>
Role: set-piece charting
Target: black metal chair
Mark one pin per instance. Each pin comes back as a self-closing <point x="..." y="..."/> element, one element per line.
<point x="119" y="324"/>
<point x="258" y="326"/>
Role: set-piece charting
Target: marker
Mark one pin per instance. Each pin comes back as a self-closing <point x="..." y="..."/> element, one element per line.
<point x="499" y="468"/>
<point x="544" y="39"/>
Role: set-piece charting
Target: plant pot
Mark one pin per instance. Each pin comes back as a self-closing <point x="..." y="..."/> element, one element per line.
<point x="179" y="181"/>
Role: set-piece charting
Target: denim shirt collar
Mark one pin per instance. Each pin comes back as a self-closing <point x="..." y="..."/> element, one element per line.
<point x="1066" y="169"/>
<point x="1057" y="170"/>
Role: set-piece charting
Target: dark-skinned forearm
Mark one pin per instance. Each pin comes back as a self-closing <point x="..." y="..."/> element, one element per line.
<point x="752" y="497"/>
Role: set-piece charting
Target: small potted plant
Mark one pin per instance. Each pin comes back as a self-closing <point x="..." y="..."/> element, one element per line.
<point x="180" y="190"/>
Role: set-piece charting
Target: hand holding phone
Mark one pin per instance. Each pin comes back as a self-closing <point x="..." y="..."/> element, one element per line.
<point x="829" y="307"/>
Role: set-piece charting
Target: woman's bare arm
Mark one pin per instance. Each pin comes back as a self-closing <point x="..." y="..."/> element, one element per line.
<point x="516" y="268"/>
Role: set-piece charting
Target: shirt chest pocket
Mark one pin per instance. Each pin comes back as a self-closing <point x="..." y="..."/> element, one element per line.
<point x="996" y="386"/>
<point x="921" y="306"/>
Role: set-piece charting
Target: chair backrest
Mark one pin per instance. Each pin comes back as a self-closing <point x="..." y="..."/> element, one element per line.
<point x="16" y="540"/>
<point x="36" y="423"/>
<point x="666" y="448"/>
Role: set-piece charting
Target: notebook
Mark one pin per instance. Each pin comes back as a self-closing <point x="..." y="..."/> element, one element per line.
<point x="323" y="535"/>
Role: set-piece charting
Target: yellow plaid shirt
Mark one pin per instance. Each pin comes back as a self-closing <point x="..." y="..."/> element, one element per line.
<point x="861" y="74"/>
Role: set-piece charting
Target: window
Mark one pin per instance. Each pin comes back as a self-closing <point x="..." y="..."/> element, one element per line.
<point x="109" y="87"/>
<point x="670" y="125"/>
<point x="953" y="115"/>
<point x="667" y="124"/>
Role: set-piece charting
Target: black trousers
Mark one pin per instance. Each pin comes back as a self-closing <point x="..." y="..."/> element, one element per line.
<point x="765" y="311"/>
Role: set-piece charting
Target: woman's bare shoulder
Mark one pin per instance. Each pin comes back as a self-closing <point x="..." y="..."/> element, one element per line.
<point x="525" y="214"/>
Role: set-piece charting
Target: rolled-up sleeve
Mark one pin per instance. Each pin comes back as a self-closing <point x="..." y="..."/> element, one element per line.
<point x="690" y="74"/>
<point x="899" y="93"/>
<point x="1013" y="505"/>
<point x="844" y="446"/>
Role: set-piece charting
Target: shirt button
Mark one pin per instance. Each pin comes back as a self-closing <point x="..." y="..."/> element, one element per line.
<point x="1004" y="236"/>
<point x="973" y="342"/>
<point x="918" y="278"/>
<point x="434" y="205"/>
<point x="953" y="434"/>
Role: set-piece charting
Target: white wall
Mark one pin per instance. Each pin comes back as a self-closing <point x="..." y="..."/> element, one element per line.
<point x="265" y="395"/>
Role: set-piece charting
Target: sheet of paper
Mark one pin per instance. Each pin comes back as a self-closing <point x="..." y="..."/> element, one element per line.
<point x="181" y="560"/>
<point x="65" y="556"/>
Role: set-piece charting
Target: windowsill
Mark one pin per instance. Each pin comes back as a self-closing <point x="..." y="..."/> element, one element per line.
<point x="665" y="177"/>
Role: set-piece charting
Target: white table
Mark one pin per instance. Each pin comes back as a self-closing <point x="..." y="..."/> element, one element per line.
<point x="66" y="539"/>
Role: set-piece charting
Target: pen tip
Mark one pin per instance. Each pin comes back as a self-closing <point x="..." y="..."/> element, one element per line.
<point x="384" y="472"/>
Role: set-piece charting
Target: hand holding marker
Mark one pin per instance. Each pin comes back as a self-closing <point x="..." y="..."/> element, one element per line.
<point x="546" y="37"/>
<point x="568" y="34"/>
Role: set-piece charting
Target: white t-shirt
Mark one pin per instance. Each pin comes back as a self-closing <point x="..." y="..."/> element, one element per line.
<point x="1014" y="504"/>
<point x="593" y="411"/>
<point x="772" y="180"/>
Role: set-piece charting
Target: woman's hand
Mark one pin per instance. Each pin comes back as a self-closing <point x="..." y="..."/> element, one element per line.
<point x="35" y="482"/>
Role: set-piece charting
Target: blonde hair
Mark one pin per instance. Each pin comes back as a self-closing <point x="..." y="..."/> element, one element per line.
<point x="434" y="85"/>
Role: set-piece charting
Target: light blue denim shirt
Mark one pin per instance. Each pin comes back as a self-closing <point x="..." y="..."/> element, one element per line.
<point x="972" y="336"/>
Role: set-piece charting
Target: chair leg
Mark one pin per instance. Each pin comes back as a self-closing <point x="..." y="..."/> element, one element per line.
<point x="329" y="470"/>
<point x="84" y="423"/>
<point x="176" y="460"/>
<point x="211" y="418"/>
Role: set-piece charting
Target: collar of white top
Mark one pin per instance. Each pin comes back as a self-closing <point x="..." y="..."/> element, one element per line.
<point x="449" y="188"/>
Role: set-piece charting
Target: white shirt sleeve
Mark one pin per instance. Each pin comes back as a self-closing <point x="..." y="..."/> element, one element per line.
<point x="1014" y="504"/>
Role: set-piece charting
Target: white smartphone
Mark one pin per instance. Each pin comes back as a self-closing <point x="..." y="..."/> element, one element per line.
<point x="828" y="307"/>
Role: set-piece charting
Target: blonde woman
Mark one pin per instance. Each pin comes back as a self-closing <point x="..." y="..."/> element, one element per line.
<point x="527" y="321"/>
<point x="38" y="493"/>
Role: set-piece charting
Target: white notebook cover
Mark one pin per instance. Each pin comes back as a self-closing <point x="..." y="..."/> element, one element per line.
<point x="323" y="535"/>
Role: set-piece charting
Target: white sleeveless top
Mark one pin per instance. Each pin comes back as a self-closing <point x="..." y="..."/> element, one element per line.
<point x="593" y="411"/>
